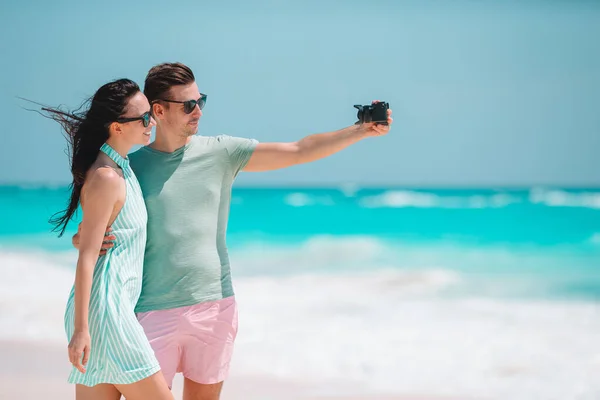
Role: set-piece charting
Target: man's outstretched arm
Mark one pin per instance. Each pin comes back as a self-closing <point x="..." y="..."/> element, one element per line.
<point x="271" y="156"/>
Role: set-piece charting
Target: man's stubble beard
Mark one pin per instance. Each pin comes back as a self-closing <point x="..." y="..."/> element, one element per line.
<point x="189" y="132"/>
<point x="186" y="131"/>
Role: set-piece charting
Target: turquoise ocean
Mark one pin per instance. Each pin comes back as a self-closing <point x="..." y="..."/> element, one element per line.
<point x="489" y="292"/>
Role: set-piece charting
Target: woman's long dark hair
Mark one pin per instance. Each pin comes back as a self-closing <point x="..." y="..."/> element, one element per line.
<point x="86" y="131"/>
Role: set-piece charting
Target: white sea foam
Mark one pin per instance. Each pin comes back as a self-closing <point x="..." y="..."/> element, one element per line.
<point x="362" y="328"/>
<point x="299" y="199"/>
<point x="349" y="189"/>
<point x="550" y="198"/>
<point x="405" y="198"/>
<point x="561" y="198"/>
<point x="33" y="293"/>
<point x="387" y="329"/>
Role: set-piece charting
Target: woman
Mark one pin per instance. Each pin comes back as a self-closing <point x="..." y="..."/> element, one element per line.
<point x="108" y="349"/>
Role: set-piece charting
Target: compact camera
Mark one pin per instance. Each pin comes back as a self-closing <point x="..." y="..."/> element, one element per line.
<point x="376" y="112"/>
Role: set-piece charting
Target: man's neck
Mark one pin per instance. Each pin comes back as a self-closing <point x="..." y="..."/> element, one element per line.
<point x="168" y="143"/>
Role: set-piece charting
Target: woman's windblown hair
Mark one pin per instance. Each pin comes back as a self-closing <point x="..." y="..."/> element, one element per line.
<point x="86" y="129"/>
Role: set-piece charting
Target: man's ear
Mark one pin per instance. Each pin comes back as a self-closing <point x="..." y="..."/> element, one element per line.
<point x="158" y="111"/>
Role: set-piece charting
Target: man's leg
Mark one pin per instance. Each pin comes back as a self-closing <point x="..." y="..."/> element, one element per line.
<point x="199" y="391"/>
<point x="209" y="330"/>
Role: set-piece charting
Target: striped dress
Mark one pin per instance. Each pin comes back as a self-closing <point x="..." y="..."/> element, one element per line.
<point x="120" y="352"/>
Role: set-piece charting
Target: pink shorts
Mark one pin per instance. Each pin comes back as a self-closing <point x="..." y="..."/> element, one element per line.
<point x="196" y="340"/>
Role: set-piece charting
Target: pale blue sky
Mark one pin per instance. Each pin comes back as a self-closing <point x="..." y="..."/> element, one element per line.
<point x="482" y="93"/>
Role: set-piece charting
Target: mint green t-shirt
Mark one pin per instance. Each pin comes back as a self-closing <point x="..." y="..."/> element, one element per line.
<point x="187" y="195"/>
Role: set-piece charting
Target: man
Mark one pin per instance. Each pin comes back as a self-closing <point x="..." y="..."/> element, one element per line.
<point x="187" y="305"/>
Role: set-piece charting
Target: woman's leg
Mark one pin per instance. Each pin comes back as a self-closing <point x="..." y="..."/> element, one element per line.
<point x="103" y="391"/>
<point x="152" y="388"/>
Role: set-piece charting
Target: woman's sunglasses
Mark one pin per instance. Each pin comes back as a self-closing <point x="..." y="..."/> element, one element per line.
<point x="189" y="105"/>
<point x="145" y="118"/>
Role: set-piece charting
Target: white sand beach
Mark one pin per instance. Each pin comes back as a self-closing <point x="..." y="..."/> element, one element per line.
<point x="32" y="371"/>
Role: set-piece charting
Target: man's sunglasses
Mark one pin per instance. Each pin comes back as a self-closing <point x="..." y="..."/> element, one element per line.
<point x="189" y="105"/>
<point x="145" y="118"/>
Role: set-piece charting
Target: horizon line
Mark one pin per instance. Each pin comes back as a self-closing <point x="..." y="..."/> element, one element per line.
<point x="349" y="185"/>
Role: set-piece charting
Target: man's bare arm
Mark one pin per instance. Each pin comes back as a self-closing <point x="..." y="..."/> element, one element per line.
<point x="272" y="156"/>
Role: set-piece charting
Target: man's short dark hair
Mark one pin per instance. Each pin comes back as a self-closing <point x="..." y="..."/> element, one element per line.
<point x="162" y="77"/>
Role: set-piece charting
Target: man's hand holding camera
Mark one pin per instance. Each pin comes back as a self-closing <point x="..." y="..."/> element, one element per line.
<point x="375" y="119"/>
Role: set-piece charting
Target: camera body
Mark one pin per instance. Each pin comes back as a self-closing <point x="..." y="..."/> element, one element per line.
<point x="376" y="112"/>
